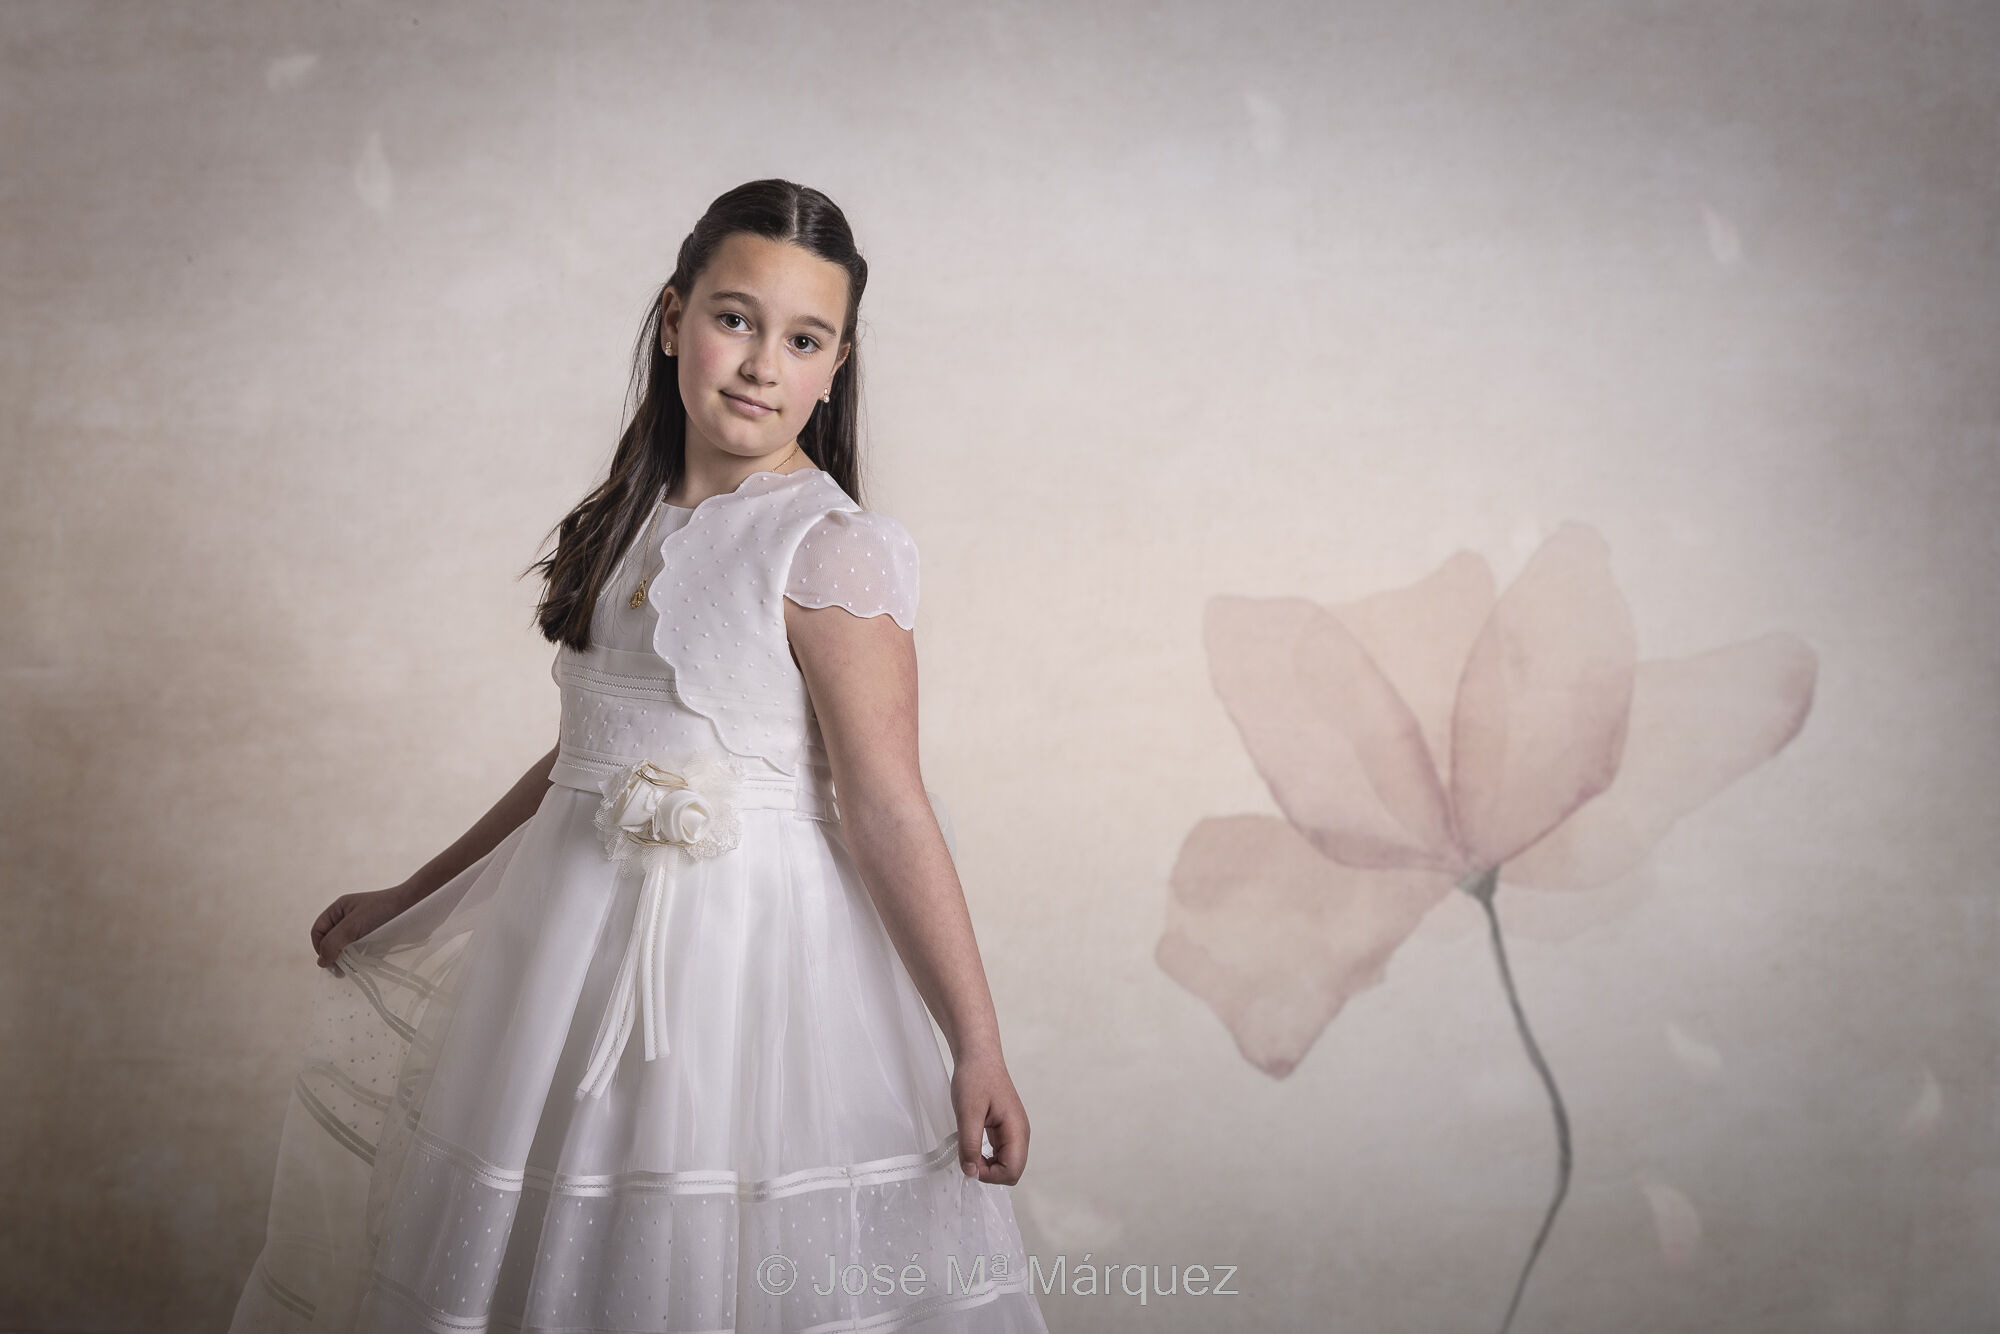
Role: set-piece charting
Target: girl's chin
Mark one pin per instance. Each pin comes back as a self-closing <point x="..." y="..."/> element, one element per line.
<point x="735" y="438"/>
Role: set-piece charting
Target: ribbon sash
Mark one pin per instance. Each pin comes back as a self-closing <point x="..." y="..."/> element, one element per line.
<point x="640" y="992"/>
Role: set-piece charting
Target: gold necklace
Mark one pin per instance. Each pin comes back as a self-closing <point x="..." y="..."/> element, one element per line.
<point x="639" y="593"/>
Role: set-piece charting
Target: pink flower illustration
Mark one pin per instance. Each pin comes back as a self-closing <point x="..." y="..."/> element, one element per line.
<point x="1433" y="738"/>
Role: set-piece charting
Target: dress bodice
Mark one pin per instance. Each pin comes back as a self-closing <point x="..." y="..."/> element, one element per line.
<point x="702" y="664"/>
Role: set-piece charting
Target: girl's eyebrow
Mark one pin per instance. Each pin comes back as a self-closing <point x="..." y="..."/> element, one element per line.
<point x="813" y="321"/>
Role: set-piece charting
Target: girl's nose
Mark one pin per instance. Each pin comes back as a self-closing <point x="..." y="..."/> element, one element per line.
<point x="758" y="362"/>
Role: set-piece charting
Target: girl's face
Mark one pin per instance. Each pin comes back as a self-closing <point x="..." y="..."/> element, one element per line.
<point x="755" y="344"/>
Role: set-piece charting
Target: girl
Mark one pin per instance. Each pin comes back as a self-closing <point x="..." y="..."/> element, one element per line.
<point x="648" y="1048"/>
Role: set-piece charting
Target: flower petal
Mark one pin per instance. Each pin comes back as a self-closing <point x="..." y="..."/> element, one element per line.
<point x="1419" y="635"/>
<point x="1275" y="937"/>
<point x="1697" y="725"/>
<point x="1540" y="722"/>
<point x="1343" y="755"/>
<point x="633" y="804"/>
<point x="1674" y="1219"/>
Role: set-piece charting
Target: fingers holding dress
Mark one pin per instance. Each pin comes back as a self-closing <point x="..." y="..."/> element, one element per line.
<point x="349" y="918"/>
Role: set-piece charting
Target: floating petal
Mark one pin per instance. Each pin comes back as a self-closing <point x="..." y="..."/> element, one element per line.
<point x="1069" y="1222"/>
<point x="289" y="71"/>
<point x="1926" y="1109"/>
<point x="374" y="178"/>
<point x="1696" y="1057"/>
<point x="1674" y="1219"/>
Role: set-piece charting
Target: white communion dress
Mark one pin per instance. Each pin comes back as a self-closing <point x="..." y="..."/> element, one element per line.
<point x="617" y="1077"/>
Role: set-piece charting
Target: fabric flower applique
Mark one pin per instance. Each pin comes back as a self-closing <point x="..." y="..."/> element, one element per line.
<point x="653" y="813"/>
<point x="663" y="820"/>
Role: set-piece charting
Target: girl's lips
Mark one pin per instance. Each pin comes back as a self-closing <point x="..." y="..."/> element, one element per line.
<point x="746" y="407"/>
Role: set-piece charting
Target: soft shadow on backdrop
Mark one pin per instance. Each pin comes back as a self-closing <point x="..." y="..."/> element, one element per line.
<point x="318" y="318"/>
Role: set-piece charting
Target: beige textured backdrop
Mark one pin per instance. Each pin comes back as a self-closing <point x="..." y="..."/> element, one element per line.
<point x="318" y="317"/>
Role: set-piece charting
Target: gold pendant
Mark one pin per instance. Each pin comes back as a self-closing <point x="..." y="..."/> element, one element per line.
<point x="638" y="595"/>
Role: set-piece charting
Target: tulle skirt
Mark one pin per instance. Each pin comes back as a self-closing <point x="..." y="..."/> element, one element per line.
<point x="786" y="1162"/>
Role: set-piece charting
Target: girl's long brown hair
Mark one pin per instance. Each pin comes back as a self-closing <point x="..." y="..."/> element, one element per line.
<point x="652" y="451"/>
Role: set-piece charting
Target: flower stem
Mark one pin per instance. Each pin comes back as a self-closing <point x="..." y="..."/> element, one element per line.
<point x="1482" y="887"/>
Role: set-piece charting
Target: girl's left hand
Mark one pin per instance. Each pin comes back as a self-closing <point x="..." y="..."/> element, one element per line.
<point x="352" y="916"/>
<point x="983" y="1096"/>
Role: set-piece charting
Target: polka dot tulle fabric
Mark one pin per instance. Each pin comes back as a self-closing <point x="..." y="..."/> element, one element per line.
<point x="441" y="1165"/>
<point x="864" y="562"/>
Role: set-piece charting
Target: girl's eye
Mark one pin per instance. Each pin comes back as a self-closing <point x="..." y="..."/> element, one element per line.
<point x="812" y="344"/>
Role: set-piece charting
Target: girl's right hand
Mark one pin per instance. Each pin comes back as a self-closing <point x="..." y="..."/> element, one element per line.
<point x="350" y="917"/>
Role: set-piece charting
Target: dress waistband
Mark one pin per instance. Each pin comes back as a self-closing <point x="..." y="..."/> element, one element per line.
<point x="810" y="794"/>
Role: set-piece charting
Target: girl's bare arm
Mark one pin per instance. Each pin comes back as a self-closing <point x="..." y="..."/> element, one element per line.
<point x="505" y="816"/>
<point x="861" y="673"/>
<point x="352" y="916"/>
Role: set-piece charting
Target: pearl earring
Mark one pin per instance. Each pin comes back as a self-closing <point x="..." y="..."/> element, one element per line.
<point x="827" y="397"/>
<point x="670" y="347"/>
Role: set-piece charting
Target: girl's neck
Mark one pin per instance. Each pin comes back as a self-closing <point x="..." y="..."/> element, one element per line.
<point x="714" y="478"/>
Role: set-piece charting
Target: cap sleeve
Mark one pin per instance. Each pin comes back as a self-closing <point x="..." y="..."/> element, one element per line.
<point x="860" y="560"/>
